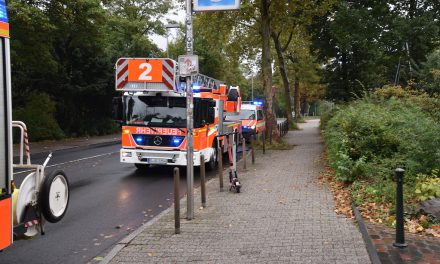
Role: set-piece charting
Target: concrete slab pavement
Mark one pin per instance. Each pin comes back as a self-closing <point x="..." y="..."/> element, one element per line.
<point x="282" y="215"/>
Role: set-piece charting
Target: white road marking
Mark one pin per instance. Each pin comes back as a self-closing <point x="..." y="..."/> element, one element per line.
<point x="72" y="161"/>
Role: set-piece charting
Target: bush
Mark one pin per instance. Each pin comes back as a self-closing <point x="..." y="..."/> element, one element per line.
<point x="371" y="138"/>
<point x="428" y="186"/>
<point x="38" y="115"/>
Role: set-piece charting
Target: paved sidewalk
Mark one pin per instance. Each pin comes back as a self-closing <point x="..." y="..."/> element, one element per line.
<point x="282" y="215"/>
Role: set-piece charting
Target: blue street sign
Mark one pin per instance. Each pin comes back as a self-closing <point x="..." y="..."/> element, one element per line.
<point x="3" y="13"/>
<point x="216" y="5"/>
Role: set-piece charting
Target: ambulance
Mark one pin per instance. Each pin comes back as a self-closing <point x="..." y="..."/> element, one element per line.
<point x="152" y="112"/>
<point x="251" y="117"/>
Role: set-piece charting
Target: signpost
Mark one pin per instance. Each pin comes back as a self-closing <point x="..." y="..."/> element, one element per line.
<point x="5" y="132"/>
<point x="188" y="65"/>
<point x="216" y="5"/>
<point x="189" y="119"/>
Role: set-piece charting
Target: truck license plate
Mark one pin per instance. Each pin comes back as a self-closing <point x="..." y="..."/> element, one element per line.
<point x="157" y="161"/>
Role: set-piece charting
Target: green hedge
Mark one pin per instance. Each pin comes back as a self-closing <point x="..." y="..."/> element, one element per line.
<point x="369" y="138"/>
<point x="38" y="115"/>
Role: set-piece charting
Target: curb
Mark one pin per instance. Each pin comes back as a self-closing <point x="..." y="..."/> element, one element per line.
<point x="374" y="257"/>
<point x="126" y="240"/>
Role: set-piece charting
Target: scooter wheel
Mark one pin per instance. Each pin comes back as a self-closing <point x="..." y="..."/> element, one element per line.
<point x="54" y="196"/>
<point x="237" y="188"/>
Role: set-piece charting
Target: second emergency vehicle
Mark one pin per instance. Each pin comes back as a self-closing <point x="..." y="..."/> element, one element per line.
<point x="251" y="117"/>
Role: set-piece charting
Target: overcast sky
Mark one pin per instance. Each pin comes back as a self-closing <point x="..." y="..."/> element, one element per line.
<point x="160" y="41"/>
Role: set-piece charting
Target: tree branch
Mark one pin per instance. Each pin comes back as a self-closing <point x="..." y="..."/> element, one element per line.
<point x="284" y="48"/>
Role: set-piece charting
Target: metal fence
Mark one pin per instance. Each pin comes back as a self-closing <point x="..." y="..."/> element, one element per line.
<point x="282" y="126"/>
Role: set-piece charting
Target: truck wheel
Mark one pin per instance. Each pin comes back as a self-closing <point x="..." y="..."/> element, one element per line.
<point x="54" y="196"/>
<point x="141" y="166"/>
<point x="212" y="163"/>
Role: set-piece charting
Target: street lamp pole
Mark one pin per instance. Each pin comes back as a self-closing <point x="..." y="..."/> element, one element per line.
<point x="168" y="26"/>
<point x="252" y="87"/>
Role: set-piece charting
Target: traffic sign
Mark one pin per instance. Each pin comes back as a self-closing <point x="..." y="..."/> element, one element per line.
<point x="216" y="5"/>
<point x="188" y="65"/>
<point x="4" y="25"/>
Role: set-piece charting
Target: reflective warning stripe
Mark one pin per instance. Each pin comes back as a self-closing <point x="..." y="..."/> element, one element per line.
<point x="31" y="223"/>
<point x="121" y="73"/>
<point x="168" y="73"/>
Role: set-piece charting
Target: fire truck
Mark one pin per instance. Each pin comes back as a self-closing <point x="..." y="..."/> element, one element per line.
<point x="251" y="117"/>
<point x="40" y="197"/>
<point x="152" y="112"/>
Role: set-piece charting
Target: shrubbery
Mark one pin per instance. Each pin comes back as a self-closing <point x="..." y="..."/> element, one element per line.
<point x="38" y="115"/>
<point x="391" y="128"/>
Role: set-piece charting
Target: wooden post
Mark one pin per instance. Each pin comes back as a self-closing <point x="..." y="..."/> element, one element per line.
<point x="243" y="146"/>
<point x="202" y="180"/>
<point x="176" y="201"/>
<point x="220" y="166"/>
<point x="253" y="149"/>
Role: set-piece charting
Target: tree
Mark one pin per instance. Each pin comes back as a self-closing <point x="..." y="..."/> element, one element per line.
<point x="290" y="18"/>
<point x="130" y="23"/>
<point x="362" y="42"/>
<point x="429" y="75"/>
<point x="66" y="50"/>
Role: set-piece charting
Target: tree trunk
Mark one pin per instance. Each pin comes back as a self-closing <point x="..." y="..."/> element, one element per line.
<point x="297" y="98"/>
<point x="286" y="83"/>
<point x="266" y="68"/>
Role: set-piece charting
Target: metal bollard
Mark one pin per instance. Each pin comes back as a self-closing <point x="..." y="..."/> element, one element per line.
<point x="176" y="201"/>
<point x="400" y="232"/>
<point x="220" y="167"/>
<point x="243" y="146"/>
<point x="253" y="149"/>
<point x="202" y="180"/>
<point x="263" y="135"/>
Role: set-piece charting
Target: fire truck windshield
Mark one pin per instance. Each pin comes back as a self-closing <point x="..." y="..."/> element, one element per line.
<point x="155" y="111"/>
<point x="244" y="115"/>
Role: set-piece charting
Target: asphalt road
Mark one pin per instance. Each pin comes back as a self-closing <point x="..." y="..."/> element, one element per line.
<point x="108" y="201"/>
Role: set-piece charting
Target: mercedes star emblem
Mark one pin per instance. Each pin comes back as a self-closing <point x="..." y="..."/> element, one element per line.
<point x="157" y="140"/>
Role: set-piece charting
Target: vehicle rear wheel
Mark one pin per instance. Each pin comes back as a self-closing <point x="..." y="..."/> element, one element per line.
<point x="54" y="196"/>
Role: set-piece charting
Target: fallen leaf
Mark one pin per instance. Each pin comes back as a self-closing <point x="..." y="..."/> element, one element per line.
<point x="150" y="254"/>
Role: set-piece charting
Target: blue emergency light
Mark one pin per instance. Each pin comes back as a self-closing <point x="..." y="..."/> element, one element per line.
<point x="260" y="103"/>
<point x="196" y="88"/>
<point x="177" y="141"/>
<point x="139" y="139"/>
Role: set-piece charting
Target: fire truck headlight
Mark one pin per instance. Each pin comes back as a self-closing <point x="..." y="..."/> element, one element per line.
<point x="126" y="154"/>
<point x="253" y="127"/>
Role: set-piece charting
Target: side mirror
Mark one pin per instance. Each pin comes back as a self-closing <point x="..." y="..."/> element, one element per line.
<point x="211" y="115"/>
<point x="117" y="109"/>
